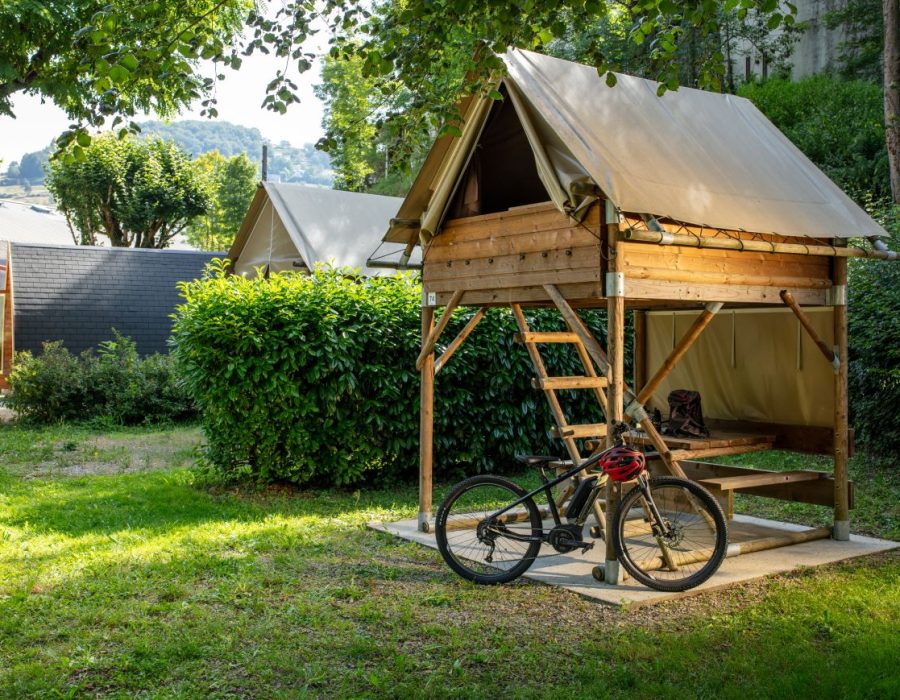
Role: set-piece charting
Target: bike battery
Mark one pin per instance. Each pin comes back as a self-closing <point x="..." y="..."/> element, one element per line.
<point x="580" y="497"/>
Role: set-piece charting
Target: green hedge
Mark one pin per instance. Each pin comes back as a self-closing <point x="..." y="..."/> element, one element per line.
<point x="874" y="367"/>
<point x="311" y="379"/>
<point x="114" y="385"/>
<point x="838" y="124"/>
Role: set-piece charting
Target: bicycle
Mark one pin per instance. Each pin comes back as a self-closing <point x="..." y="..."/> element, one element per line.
<point x="669" y="533"/>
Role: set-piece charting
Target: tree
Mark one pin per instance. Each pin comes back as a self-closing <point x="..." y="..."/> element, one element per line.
<point x="137" y="193"/>
<point x="232" y="182"/>
<point x="13" y="173"/>
<point x="32" y="166"/>
<point x="102" y="58"/>
<point x="892" y="91"/>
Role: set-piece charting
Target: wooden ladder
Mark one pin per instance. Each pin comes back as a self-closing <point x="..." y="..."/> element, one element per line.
<point x="590" y="380"/>
<point x="567" y="432"/>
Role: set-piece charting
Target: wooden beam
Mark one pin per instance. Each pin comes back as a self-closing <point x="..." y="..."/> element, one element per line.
<point x="615" y="390"/>
<point x="841" y="425"/>
<point x="731" y="483"/>
<point x="459" y="339"/>
<point x="426" y="425"/>
<point x="431" y="341"/>
<point x="640" y="349"/>
<point x="681" y="455"/>
<point x="788" y="299"/>
<point x="683" y="345"/>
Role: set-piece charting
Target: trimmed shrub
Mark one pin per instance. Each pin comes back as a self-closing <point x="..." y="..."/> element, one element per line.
<point x="311" y="379"/>
<point x="874" y="339"/>
<point x="114" y="384"/>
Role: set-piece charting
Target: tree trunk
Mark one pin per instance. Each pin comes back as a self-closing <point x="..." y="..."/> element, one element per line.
<point x="892" y="91"/>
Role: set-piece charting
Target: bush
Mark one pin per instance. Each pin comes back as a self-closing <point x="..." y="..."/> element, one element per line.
<point x="115" y="385"/>
<point x="312" y="379"/>
<point x="874" y="366"/>
<point x="838" y="124"/>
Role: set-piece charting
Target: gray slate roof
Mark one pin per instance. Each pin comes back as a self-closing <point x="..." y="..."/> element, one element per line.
<point x="79" y="294"/>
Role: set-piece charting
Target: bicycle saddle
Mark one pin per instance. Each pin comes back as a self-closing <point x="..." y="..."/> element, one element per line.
<point x="536" y="460"/>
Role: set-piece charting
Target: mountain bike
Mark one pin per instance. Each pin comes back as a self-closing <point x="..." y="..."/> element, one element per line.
<point x="669" y="533"/>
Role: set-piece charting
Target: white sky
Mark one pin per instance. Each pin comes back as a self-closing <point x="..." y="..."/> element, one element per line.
<point x="240" y="96"/>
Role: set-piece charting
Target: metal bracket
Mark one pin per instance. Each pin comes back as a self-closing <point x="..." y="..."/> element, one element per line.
<point x="615" y="284"/>
<point x="836" y="359"/>
<point x="714" y="307"/>
<point x="637" y="411"/>
<point x="836" y="296"/>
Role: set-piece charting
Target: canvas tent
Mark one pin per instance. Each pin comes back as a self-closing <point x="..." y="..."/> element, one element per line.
<point x="690" y="209"/>
<point x="291" y="227"/>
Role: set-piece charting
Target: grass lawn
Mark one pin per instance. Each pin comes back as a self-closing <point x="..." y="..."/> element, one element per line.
<point x="119" y="576"/>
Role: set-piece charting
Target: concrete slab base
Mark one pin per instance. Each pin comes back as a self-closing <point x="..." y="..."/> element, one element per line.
<point x="573" y="571"/>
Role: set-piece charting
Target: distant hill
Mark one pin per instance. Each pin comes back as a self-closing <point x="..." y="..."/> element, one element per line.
<point x="288" y="163"/>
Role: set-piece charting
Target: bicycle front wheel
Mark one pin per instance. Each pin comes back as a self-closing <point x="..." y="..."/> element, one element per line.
<point x="685" y="548"/>
<point x="481" y="548"/>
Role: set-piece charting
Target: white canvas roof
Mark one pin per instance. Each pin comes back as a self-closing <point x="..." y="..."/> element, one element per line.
<point x="696" y="157"/>
<point x="292" y="227"/>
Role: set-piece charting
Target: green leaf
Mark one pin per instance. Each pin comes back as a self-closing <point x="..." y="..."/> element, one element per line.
<point x="118" y="74"/>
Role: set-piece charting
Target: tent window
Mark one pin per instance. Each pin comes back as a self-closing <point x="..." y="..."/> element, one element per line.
<point x="501" y="173"/>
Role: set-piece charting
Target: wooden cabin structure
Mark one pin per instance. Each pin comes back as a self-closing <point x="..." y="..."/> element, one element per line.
<point x="691" y="211"/>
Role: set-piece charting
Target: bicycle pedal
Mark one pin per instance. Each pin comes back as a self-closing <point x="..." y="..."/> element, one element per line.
<point x="585" y="546"/>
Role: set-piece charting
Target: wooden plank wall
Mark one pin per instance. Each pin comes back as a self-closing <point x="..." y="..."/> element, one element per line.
<point x="705" y="274"/>
<point x="505" y="257"/>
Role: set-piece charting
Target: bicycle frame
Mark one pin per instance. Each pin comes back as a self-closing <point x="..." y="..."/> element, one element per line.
<point x="547" y="487"/>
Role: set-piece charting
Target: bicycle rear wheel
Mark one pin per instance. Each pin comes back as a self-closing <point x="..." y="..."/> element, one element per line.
<point x="481" y="550"/>
<point x="693" y="545"/>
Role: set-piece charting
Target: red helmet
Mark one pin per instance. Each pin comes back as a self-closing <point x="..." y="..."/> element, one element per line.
<point x="623" y="463"/>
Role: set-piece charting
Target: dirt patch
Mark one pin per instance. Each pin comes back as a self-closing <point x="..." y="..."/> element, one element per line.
<point x="119" y="454"/>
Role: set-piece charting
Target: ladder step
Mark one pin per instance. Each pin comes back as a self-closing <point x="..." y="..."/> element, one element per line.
<point x="569" y="383"/>
<point x="588" y="430"/>
<point x="555" y="337"/>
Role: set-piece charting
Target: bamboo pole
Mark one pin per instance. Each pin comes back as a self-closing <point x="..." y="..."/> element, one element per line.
<point x="640" y="349"/>
<point x="683" y="345"/>
<point x="691" y="241"/>
<point x="429" y="343"/>
<point x="760" y="544"/>
<point x="841" y="427"/>
<point x="426" y="425"/>
<point x="828" y="352"/>
<point x="459" y="339"/>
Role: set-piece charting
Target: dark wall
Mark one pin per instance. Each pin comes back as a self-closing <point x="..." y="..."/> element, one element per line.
<point x="79" y="294"/>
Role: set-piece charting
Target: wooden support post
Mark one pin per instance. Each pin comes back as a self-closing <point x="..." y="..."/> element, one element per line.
<point x="828" y="352"/>
<point x="426" y="424"/>
<point x="429" y="342"/>
<point x="640" y="349"/>
<point x="683" y="345"/>
<point x="615" y="391"/>
<point x="841" y="529"/>
<point x="459" y="339"/>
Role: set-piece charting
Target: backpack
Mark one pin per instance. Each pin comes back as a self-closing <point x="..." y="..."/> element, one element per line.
<point x="686" y="415"/>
